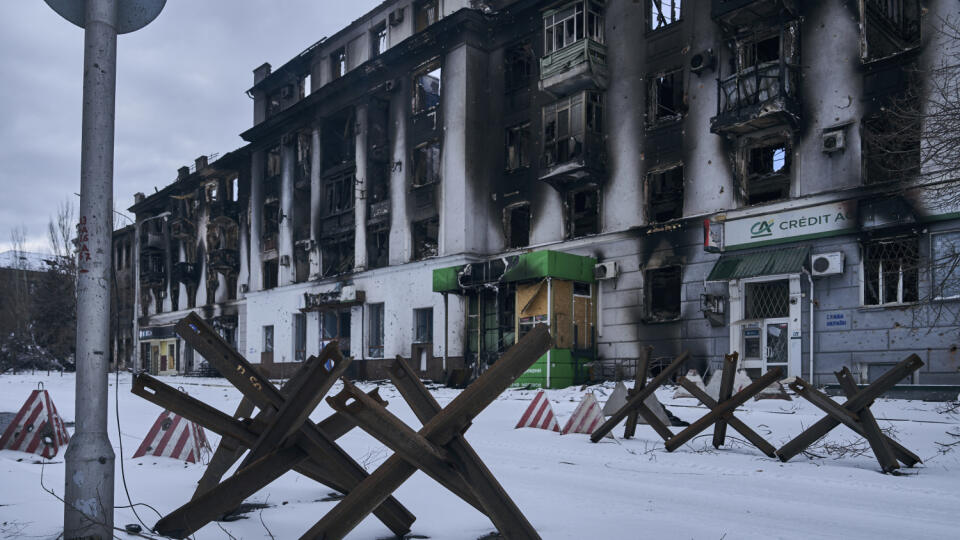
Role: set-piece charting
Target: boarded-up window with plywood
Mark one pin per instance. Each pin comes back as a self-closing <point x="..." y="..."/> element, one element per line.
<point x="531" y="306"/>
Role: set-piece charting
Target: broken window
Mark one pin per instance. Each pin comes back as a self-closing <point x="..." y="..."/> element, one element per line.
<point x="427" y="13"/>
<point x="268" y="338"/>
<point x="571" y="23"/>
<point x="335" y="324"/>
<point x="299" y="337"/>
<point x="337" y="253"/>
<point x="518" y="147"/>
<point x="665" y="194"/>
<point x="567" y="124"/>
<point x="891" y="271"/>
<point x="234" y="184"/>
<point x="338" y="193"/>
<point x="517" y="66"/>
<point x="663" y="293"/>
<point x="426" y="87"/>
<point x="663" y="13"/>
<point x="305" y="88"/>
<point x="378" y="247"/>
<point x="375" y="341"/>
<point x="665" y="99"/>
<point x="378" y="40"/>
<point x="425" y="238"/>
<point x="516" y="224"/>
<point x="766" y="68"/>
<point x="338" y="138"/>
<point x="426" y="164"/>
<point x="889" y="27"/>
<point x="583" y="212"/>
<point x="945" y="248"/>
<point x="273" y="164"/>
<point x="767" y="172"/>
<point x="271" y="271"/>
<point x="338" y="63"/>
<point x="212" y="192"/>
<point x="423" y="325"/>
<point x="891" y="145"/>
<point x="271" y="225"/>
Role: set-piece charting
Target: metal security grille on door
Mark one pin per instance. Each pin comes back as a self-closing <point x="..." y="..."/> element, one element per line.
<point x="767" y="300"/>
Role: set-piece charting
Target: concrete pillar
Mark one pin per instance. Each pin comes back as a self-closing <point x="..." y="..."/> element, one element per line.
<point x="243" y="276"/>
<point x="360" y="191"/>
<point x="316" y="200"/>
<point x="257" y="165"/>
<point x="288" y="158"/>
<point x="399" y="177"/>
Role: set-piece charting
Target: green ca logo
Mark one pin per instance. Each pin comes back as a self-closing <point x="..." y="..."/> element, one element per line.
<point x="761" y="229"/>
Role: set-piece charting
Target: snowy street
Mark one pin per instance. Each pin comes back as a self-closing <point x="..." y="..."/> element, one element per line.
<point x="566" y="486"/>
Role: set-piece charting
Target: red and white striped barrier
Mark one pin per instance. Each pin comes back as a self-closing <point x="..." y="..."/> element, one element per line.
<point x="37" y="428"/>
<point x="174" y="437"/>
<point x="539" y="414"/>
<point x="586" y="418"/>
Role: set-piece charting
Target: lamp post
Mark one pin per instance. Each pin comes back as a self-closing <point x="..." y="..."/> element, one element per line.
<point x="88" y="493"/>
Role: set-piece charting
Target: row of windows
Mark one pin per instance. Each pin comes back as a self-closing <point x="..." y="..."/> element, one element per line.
<point x="891" y="274"/>
<point x="335" y="325"/>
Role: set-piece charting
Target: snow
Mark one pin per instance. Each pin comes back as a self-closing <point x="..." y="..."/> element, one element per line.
<point x="26" y="260"/>
<point x="568" y="487"/>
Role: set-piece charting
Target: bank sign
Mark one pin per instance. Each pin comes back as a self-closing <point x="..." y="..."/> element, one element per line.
<point x="790" y="226"/>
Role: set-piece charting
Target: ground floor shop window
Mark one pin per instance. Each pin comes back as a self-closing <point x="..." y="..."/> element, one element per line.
<point x="300" y="337"/>
<point x="890" y="271"/>
<point x="335" y="325"/>
<point x="945" y="262"/>
<point x="375" y="341"/>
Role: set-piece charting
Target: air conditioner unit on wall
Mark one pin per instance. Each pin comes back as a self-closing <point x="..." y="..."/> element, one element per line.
<point x="702" y="61"/>
<point x="284" y="260"/>
<point x="606" y="270"/>
<point x="833" y="141"/>
<point x="826" y="264"/>
<point x="396" y="17"/>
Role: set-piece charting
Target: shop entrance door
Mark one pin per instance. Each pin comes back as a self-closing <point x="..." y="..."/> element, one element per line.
<point x="766" y="332"/>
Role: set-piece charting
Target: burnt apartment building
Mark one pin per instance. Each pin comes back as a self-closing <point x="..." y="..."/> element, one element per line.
<point x="711" y="176"/>
<point x="122" y="299"/>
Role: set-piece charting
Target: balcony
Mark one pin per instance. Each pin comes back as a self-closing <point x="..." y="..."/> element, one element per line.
<point x="574" y="161"/>
<point x="185" y="272"/>
<point x="580" y="65"/>
<point x="226" y="261"/>
<point x="268" y="242"/>
<point x="756" y="98"/>
<point x="378" y="212"/>
<point x="739" y="14"/>
<point x="152" y="271"/>
<point x="182" y="228"/>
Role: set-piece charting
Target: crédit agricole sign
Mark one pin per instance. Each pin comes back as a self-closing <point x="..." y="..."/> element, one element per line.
<point x="791" y="225"/>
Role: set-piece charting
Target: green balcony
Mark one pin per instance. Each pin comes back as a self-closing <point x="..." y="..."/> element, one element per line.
<point x="574" y="67"/>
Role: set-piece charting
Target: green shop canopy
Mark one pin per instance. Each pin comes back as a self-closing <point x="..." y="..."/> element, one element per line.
<point x="763" y="263"/>
<point x="525" y="267"/>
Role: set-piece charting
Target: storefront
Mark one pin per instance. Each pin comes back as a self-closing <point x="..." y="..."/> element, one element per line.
<point x="159" y="350"/>
<point x="767" y="285"/>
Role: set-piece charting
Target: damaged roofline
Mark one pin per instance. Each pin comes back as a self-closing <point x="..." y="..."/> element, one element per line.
<point x="194" y="177"/>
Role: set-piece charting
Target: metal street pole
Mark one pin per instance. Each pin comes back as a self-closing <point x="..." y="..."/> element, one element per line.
<point x="88" y="509"/>
<point x="88" y="494"/>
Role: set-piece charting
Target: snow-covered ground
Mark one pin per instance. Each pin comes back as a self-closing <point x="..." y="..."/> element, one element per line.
<point x="566" y="486"/>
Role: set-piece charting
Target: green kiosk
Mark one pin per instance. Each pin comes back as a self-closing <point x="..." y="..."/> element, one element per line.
<point x="506" y="297"/>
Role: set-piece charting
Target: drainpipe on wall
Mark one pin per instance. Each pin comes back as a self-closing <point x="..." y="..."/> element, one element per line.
<point x="446" y="330"/>
<point x="549" y="321"/>
<point x="810" y="279"/>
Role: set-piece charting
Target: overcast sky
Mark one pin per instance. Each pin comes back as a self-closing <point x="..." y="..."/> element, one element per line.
<point x="181" y="85"/>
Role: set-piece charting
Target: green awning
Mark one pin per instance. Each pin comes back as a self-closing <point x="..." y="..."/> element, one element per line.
<point x="763" y="263"/>
<point x="556" y="264"/>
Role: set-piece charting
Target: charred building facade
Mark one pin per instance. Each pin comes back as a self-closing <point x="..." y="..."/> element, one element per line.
<point x="710" y="176"/>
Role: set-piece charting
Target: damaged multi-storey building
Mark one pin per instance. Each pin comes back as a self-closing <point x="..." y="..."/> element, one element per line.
<point x="441" y="175"/>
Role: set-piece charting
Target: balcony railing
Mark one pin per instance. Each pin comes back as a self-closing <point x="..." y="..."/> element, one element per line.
<point x="742" y="13"/>
<point x="757" y="97"/>
<point x="570" y="161"/>
<point x="185" y="272"/>
<point x="378" y="211"/>
<point x="268" y="242"/>
<point x="582" y="64"/>
<point x="224" y="260"/>
<point x="182" y="228"/>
